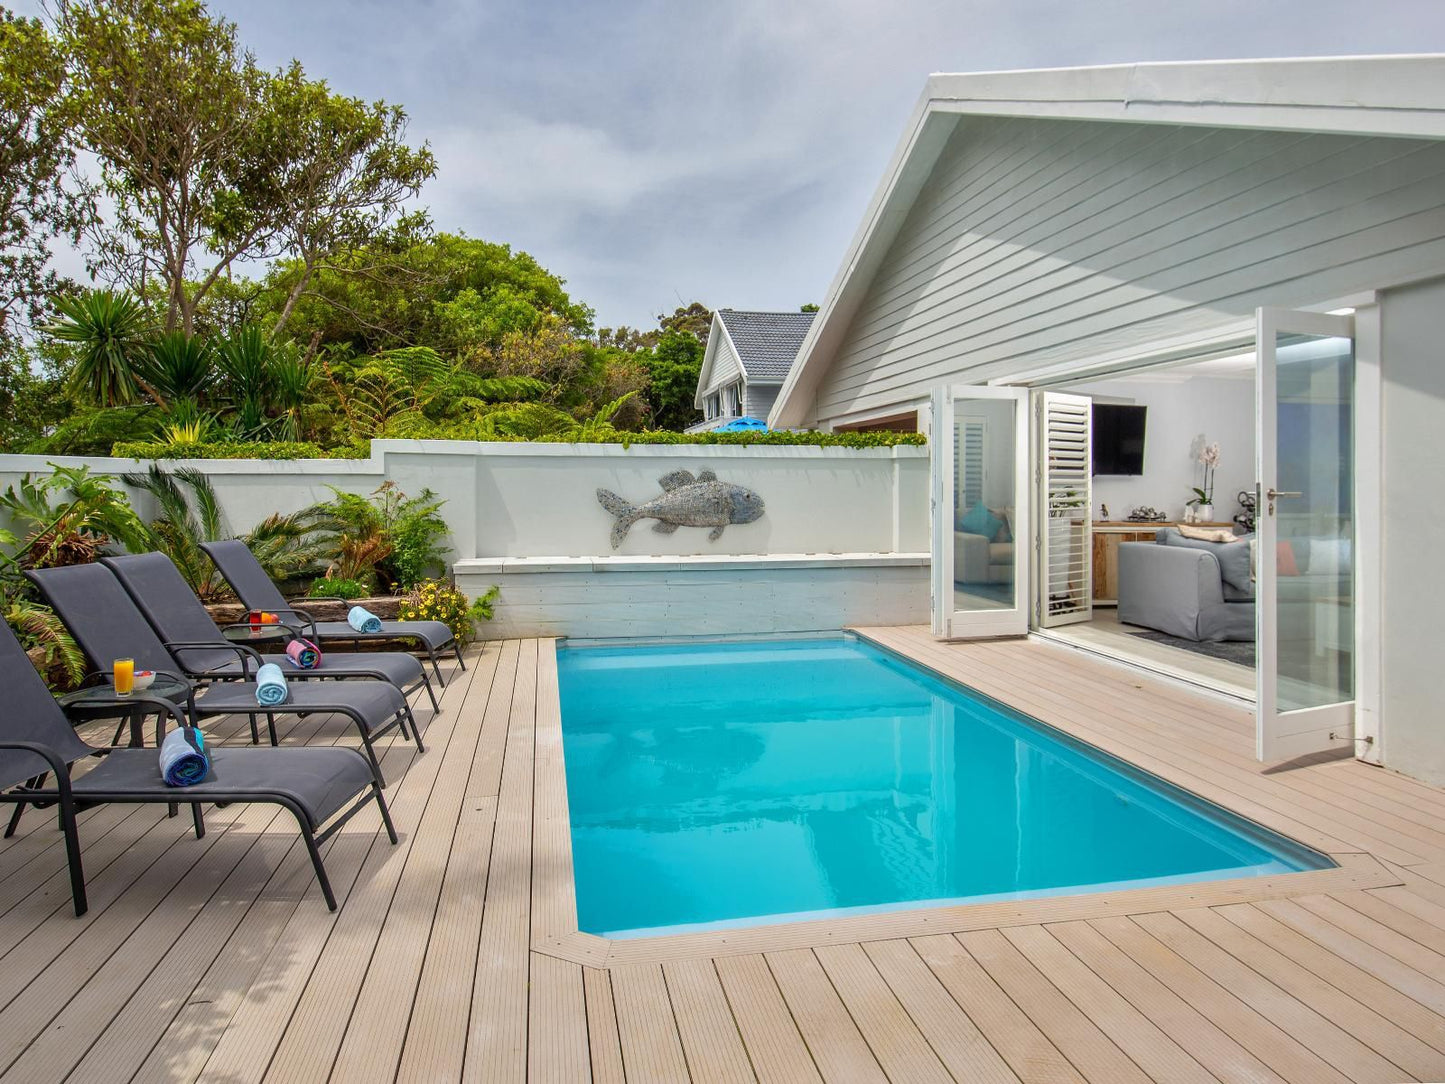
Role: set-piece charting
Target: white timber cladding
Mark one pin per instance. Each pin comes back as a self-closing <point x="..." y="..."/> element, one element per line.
<point x="1034" y="241"/>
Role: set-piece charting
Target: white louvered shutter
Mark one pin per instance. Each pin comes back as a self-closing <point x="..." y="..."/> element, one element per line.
<point x="1066" y="546"/>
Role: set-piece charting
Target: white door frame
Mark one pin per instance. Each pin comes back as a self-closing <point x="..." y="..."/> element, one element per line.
<point x="948" y="623"/>
<point x="1280" y="735"/>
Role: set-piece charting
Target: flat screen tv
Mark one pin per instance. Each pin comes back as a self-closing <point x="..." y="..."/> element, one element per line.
<point x="1118" y="438"/>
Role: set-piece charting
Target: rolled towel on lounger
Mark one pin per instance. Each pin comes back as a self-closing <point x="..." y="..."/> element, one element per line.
<point x="183" y="757"/>
<point x="270" y="686"/>
<point x="304" y="654"/>
<point x="363" y="620"/>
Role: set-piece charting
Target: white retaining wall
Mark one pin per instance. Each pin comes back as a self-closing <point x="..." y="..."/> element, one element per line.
<point x="843" y="540"/>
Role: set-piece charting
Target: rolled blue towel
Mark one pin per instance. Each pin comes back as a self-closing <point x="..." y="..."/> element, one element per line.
<point x="270" y="686"/>
<point x="363" y="620"/>
<point x="183" y="757"/>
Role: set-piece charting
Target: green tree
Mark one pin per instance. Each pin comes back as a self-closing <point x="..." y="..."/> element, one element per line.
<point x="673" y="367"/>
<point x="811" y="306"/>
<point x="36" y="153"/>
<point x="208" y="159"/>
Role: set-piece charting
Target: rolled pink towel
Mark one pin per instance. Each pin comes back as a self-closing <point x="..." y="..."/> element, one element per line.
<point x="304" y="654"/>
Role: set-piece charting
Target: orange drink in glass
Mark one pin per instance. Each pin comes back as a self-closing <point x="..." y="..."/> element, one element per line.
<point x="124" y="673"/>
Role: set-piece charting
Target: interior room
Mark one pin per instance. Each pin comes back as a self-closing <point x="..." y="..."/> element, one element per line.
<point x="1173" y="479"/>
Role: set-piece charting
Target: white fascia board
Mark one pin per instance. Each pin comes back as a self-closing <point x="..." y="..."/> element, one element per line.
<point x="913" y="159"/>
<point x="704" y="374"/>
<point x="705" y="385"/>
<point x="1361" y="95"/>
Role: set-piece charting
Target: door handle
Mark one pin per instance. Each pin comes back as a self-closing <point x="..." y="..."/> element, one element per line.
<point x="1275" y="494"/>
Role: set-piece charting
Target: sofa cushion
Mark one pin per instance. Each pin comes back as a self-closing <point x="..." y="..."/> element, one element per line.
<point x="1000" y="553"/>
<point x="1233" y="558"/>
<point x="979" y="520"/>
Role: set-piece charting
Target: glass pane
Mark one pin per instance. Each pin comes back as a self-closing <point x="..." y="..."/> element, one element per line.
<point x="1314" y="517"/>
<point x="983" y="504"/>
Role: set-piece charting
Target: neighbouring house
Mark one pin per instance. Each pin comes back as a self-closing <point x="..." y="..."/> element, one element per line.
<point x="1082" y="280"/>
<point x="748" y="358"/>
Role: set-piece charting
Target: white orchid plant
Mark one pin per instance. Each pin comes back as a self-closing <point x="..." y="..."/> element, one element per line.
<point x="1208" y="459"/>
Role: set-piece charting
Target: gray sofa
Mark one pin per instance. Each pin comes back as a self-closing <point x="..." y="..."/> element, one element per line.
<point x="1194" y="590"/>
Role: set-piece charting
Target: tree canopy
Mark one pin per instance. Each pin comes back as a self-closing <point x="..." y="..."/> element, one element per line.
<point x="266" y="272"/>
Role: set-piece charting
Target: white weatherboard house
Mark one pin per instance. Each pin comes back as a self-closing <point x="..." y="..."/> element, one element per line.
<point x="1079" y="280"/>
<point x="748" y="357"/>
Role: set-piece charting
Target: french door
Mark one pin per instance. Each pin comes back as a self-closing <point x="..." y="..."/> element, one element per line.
<point x="1304" y="559"/>
<point x="981" y="522"/>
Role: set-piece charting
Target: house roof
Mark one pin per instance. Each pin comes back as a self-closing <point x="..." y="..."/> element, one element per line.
<point x="766" y="343"/>
<point x="1362" y="95"/>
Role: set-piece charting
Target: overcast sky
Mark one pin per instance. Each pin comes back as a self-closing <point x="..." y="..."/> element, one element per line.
<point x="653" y="153"/>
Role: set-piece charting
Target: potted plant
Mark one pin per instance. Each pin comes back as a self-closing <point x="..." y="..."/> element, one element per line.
<point x="1201" y="505"/>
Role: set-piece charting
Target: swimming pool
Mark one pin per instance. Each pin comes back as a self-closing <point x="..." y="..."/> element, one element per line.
<point x="722" y="784"/>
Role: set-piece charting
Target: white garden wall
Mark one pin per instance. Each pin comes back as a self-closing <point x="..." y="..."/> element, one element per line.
<point x="843" y="539"/>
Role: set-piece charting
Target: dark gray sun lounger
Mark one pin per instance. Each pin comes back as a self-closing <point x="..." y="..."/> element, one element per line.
<point x="107" y="625"/>
<point x="37" y="745"/>
<point x="155" y="584"/>
<point x="239" y="567"/>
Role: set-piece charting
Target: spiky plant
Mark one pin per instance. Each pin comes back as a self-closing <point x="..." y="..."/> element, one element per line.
<point x="189" y="515"/>
<point x="181" y="366"/>
<point x="113" y="334"/>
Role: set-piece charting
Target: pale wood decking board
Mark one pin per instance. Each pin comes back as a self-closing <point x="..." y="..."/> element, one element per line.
<point x="219" y="961"/>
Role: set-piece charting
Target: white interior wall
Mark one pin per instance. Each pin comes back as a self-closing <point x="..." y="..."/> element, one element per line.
<point x="1222" y="409"/>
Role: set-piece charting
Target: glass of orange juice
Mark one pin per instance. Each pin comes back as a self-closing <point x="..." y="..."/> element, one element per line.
<point x="124" y="673"/>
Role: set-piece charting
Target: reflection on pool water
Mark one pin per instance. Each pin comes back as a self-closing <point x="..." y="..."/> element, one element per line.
<point x="718" y="784"/>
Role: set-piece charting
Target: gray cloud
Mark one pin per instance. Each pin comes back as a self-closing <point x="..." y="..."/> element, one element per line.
<point x="654" y="152"/>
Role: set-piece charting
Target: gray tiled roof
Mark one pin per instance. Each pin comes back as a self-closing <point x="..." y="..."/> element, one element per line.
<point x="767" y="342"/>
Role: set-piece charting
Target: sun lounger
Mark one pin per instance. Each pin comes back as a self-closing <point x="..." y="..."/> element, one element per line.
<point x="239" y="567"/>
<point x="107" y="625"/>
<point x="155" y="584"/>
<point x="39" y="752"/>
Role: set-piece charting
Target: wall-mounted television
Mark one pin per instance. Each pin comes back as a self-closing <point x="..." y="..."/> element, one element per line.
<point x="1118" y="438"/>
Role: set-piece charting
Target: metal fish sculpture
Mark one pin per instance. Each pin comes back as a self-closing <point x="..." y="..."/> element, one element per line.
<point x="686" y="501"/>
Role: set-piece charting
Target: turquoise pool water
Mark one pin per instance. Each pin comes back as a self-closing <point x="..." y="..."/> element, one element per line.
<point x="724" y="784"/>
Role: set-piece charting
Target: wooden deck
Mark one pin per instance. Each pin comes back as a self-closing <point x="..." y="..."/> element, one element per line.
<point x="453" y="956"/>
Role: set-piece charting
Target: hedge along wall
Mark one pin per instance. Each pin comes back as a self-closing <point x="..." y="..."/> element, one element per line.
<point x="514" y="507"/>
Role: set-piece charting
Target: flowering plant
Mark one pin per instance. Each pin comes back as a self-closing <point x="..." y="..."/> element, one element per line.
<point x="438" y="600"/>
<point x="1208" y="459"/>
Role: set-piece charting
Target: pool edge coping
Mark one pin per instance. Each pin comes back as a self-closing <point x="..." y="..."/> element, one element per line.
<point x="554" y="929"/>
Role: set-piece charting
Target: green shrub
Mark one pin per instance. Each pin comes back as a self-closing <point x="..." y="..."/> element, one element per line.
<point x="389" y="534"/>
<point x="338" y="588"/>
<point x="258" y="449"/>
<point x="438" y="600"/>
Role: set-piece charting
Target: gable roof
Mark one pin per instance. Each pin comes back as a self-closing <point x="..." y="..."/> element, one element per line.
<point x="1363" y="95"/>
<point x="766" y="343"/>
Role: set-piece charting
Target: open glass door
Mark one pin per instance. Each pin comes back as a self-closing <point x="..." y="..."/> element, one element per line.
<point x="1305" y="624"/>
<point x="980" y="512"/>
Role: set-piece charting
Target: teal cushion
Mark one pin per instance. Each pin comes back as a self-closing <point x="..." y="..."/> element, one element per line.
<point x="980" y="520"/>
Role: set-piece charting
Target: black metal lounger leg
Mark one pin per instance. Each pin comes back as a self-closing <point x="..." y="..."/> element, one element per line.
<point x="385" y="813"/>
<point x="271" y="727"/>
<point x="457" y="647"/>
<point x="435" y="707"/>
<point x="436" y="669"/>
<point x="316" y="863"/>
<point x="72" y="854"/>
<point x="255" y="734"/>
<point x="34" y="783"/>
<point x="415" y="730"/>
<point x="200" y="820"/>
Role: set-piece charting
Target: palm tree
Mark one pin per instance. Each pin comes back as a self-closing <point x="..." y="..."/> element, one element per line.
<point x="287" y="546"/>
<point x="113" y="332"/>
